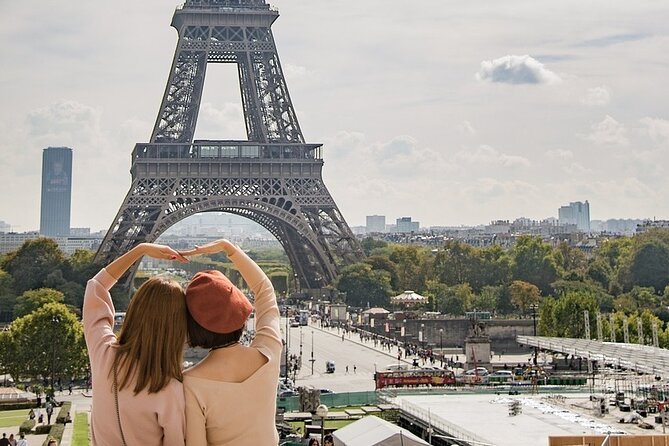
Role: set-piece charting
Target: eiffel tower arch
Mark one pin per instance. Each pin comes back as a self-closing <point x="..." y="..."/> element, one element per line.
<point x="274" y="178"/>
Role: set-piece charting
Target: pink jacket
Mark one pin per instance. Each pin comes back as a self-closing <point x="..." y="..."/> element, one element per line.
<point x="147" y="419"/>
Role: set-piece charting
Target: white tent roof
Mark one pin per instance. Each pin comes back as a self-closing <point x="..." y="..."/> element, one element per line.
<point x="409" y="297"/>
<point x="376" y="310"/>
<point x="373" y="431"/>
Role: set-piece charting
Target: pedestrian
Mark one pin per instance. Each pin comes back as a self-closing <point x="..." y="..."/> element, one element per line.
<point x="22" y="440"/>
<point x="52" y="442"/>
<point x="231" y="393"/>
<point x="49" y="411"/>
<point x="69" y="388"/>
<point x="31" y="414"/>
<point x="354" y="368"/>
<point x="313" y="442"/>
<point x="4" y="441"/>
<point x="40" y="418"/>
<point x="347" y="369"/>
<point x="12" y="440"/>
<point x="328" y="440"/>
<point x="138" y="374"/>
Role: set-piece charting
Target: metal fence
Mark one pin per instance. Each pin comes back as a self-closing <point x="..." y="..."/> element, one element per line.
<point x="292" y="403"/>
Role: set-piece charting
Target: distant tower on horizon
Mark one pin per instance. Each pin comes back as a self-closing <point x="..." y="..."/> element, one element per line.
<point x="376" y="223"/>
<point x="405" y="225"/>
<point x="56" y="192"/>
<point x="576" y="213"/>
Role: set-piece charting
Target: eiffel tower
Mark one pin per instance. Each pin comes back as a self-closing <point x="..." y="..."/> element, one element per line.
<point x="274" y="178"/>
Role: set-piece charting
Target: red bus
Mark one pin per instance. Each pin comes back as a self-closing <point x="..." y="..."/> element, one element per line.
<point x="416" y="377"/>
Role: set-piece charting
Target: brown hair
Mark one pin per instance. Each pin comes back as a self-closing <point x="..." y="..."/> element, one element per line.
<point x="198" y="336"/>
<point x="150" y="345"/>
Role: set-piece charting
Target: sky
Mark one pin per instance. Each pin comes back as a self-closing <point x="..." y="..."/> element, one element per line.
<point x="450" y="112"/>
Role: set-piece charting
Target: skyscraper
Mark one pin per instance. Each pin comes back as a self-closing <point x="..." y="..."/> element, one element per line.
<point x="376" y="223"/>
<point x="576" y="213"/>
<point x="56" y="192"/>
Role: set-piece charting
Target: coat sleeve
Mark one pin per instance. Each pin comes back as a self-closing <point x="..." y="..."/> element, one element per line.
<point x="98" y="315"/>
<point x="268" y="333"/>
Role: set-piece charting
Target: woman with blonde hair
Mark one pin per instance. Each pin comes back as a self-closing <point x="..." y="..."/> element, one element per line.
<point x="231" y="393"/>
<point x="137" y="390"/>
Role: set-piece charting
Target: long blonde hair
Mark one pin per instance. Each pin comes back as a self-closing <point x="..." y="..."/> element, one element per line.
<point x="151" y="341"/>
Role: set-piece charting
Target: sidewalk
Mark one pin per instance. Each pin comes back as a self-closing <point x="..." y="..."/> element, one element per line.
<point x="496" y="360"/>
<point x="69" y="428"/>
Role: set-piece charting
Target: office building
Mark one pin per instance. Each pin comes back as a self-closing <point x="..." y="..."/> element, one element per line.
<point x="405" y="225"/>
<point x="56" y="192"/>
<point x="376" y="223"/>
<point x="576" y="213"/>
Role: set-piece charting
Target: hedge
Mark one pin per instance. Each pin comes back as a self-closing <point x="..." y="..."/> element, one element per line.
<point x="27" y="426"/>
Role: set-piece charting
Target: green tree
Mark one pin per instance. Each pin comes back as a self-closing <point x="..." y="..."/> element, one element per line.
<point x="487" y="299"/>
<point x="7" y="296"/>
<point x="534" y="263"/>
<point x="571" y="261"/>
<point x="370" y="245"/>
<point x="455" y="263"/>
<point x="378" y="262"/>
<point x="649" y="266"/>
<point x="523" y="295"/>
<point x="600" y="271"/>
<point x="32" y="263"/>
<point x="34" y="299"/>
<point x="50" y="339"/>
<point x="453" y="300"/>
<point x="410" y="267"/>
<point x="364" y="286"/>
<point x="568" y="314"/>
<point x="494" y="268"/>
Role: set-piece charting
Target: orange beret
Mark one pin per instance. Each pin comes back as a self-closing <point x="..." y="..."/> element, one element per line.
<point x="216" y="303"/>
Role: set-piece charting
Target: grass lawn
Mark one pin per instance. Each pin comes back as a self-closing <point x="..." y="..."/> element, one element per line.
<point x="80" y="432"/>
<point x="11" y="418"/>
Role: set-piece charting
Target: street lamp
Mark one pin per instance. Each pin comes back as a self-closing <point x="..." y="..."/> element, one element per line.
<point x="422" y="335"/>
<point x="534" y="323"/>
<point x="54" y="321"/>
<point x="441" y="345"/>
<point x="312" y="360"/>
<point x="322" y="412"/>
<point x="287" y="328"/>
<point x="404" y="333"/>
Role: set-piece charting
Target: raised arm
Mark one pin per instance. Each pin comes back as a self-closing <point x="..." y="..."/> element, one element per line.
<point x="98" y="310"/>
<point x="119" y="266"/>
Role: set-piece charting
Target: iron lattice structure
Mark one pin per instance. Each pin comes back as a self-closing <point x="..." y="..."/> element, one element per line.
<point x="274" y="178"/>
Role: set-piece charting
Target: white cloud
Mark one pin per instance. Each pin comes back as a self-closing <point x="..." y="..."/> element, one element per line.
<point x="466" y="128"/>
<point x="64" y="123"/>
<point x="516" y="70"/>
<point x="608" y="131"/>
<point x="489" y="155"/>
<point x="577" y="169"/>
<point x="560" y="154"/>
<point x="657" y="129"/>
<point x="213" y="122"/>
<point x="294" y="72"/>
<point x="597" y="96"/>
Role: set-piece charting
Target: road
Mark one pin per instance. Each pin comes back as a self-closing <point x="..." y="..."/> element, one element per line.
<point x="328" y="345"/>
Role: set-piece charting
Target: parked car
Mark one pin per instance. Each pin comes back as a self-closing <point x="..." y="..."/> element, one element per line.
<point x="481" y="371"/>
<point x="325" y="391"/>
<point x="501" y="376"/>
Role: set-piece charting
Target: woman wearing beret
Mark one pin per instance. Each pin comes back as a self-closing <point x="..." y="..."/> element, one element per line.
<point x="137" y="392"/>
<point x="231" y="393"/>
